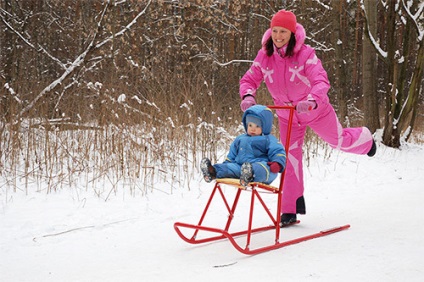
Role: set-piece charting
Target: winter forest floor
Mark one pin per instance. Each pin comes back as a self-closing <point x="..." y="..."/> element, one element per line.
<point x="74" y="235"/>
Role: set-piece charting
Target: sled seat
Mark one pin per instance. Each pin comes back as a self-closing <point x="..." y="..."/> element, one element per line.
<point x="236" y="183"/>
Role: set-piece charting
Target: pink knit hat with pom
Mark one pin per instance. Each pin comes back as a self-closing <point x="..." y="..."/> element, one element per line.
<point x="284" y="19"/>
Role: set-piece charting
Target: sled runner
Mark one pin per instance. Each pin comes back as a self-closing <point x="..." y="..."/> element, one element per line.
<point x="255" y="189"/>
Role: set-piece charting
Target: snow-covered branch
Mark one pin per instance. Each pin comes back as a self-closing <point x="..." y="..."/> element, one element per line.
<point x="81" y="58"/>
<point x="209" y="56"/>
<point x="377" y="46"/>
<point x="415" y="17"/>
<point x="126" y="28"/>
<point x="12" y="93"/>
<point x="27" y="42"/>
<point x="75" y="64"/>
<point x="232" y="62"/>
<point x="325" y="6"/>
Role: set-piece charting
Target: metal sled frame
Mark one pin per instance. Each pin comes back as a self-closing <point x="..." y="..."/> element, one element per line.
<point x="254" y="189"/>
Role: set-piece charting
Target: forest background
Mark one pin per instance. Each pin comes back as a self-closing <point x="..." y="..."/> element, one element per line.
<point x="134" y="91"/>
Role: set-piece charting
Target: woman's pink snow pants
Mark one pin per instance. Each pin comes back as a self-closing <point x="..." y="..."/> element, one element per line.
<point x="324" y="122"/>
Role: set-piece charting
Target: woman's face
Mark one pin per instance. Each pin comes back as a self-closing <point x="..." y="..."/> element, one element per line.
<point x="280" y="36"/>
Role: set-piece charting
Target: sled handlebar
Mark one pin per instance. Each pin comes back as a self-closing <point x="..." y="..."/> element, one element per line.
<point x="283" y="107"/>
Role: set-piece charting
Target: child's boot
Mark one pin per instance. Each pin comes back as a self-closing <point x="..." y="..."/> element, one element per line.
<point x="207" y="169"/>
<point x="246" y="175"/>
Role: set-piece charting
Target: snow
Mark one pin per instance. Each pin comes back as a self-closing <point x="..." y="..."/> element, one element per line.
<point x="74" y="235"/>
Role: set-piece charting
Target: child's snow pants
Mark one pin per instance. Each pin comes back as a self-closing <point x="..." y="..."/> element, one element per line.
<point x="261" y="171"/>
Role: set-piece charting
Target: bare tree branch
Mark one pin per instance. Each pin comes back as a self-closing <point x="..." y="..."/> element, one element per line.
<point x="75" y="64"/>
<point x="415" y="18"/>
<point x="26" y="41"/>
<point x="380" y="51"/>
<point x="126" y="28"/>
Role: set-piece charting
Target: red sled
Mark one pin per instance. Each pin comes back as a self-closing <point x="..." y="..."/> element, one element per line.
<point x="255" y="189"/>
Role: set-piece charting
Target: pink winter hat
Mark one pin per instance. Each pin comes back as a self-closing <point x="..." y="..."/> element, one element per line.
<point x="284" y="19"/>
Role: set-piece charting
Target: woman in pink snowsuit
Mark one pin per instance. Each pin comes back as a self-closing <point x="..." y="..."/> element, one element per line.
<point x="294" y="76"/>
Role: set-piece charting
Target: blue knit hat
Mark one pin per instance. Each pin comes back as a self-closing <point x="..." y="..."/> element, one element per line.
<point x="254" y="119"/>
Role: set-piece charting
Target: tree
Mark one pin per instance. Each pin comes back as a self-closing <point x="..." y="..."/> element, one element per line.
<point x="402" y="53"/>
<point x="74" y="68"/>
<point x="369" y="89"/>
<point x="340" y="42"/>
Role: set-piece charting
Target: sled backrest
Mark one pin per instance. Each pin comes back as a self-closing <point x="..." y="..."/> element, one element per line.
<point x="286" y="142"/>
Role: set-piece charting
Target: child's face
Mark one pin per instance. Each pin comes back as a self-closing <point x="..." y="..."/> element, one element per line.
<point x="253" y="129"/>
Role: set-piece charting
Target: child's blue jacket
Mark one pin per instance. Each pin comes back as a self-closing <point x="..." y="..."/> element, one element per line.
<point x="264" y="148"/>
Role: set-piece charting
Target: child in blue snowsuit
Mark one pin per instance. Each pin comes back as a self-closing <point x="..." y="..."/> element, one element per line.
<point x="255" y="156"/>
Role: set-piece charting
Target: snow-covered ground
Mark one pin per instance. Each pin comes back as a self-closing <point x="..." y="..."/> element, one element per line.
<point x="73" y="235"/>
